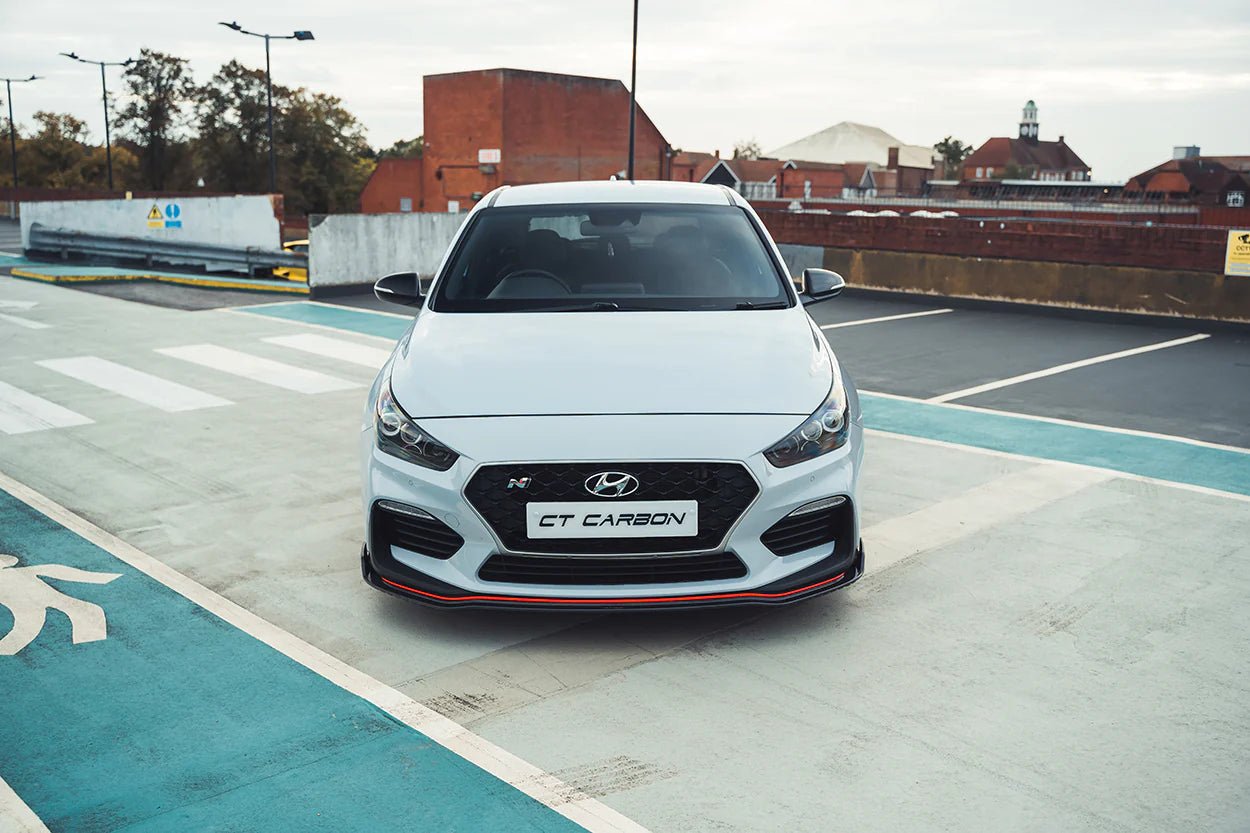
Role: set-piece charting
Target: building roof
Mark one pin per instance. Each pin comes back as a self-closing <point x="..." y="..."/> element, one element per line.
<point x="609" y="191"/>
<point x="1002" y="151"/>
<point x="849" y="141"/>
<point x="1197" y="174"/>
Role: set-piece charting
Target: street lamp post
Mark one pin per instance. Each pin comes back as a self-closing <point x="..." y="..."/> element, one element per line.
<point x="633" y="84"/>
<point x="108" y="141"/>
<point x="301" y="34"/>
<point x="8" y="96"/>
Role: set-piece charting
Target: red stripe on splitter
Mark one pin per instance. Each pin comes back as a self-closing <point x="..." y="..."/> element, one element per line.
<point x="626" y="600"/>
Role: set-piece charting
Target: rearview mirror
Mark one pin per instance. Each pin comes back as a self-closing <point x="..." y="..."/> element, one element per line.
<point x="821" y="285"/>
<point x="403" y="288"/>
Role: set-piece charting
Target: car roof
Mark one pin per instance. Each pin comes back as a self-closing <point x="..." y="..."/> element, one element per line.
<point x="615" y="191"/>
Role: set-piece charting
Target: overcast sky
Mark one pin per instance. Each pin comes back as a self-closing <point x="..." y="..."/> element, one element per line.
<point x="1124" y="82"/>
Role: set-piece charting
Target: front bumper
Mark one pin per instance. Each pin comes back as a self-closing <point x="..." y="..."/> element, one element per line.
<point x="832" y="573"/>
<point x="465" y="572"/>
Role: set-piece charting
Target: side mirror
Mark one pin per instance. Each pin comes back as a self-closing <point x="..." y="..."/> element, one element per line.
<point x="821" y="285"/>
<point x="402" y="288"/>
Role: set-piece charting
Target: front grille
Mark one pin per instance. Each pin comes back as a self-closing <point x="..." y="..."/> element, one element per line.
<point x="539" y="569"/>
<point x="413" y="529"/>
<point x="723" y="490"/>
<point x="795" y="533"/>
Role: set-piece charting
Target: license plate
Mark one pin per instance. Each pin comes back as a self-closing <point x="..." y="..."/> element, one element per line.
<point x="618" y="519"/>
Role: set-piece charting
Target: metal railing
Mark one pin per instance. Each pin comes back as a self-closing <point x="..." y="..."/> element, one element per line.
<point x="212" y="257"/>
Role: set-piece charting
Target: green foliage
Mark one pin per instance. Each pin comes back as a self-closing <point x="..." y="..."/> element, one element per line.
<point x="159" y="90"/>
<point x="953" y="153"/>
<point x="171" y="133"/>
<point x="232" y="147"/>
<point x="404" y="149"/>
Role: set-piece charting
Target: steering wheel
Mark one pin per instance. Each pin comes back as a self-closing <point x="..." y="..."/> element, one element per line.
<point x="539" y="273"/>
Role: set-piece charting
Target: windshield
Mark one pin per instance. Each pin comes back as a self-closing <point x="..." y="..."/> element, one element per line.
<point x="571" y="258"/>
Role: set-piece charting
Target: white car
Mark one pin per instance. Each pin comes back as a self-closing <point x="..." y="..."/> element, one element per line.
<point x="612" y="396"/>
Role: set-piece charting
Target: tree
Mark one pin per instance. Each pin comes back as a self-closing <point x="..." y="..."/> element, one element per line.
<point x="323" y="159"/>
<point x="404" y="149"/>
<point x="159" y="88"/>
<point x="747" y="149"/>
<point x="59" y="155"/>
<point x="953" y="153"/>
<point x="232" y="148"/>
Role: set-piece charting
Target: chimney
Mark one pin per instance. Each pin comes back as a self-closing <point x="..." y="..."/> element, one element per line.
<point x="1061" y="138"/>
<point x="716" y="154"/>
<point x="892" y="159"/>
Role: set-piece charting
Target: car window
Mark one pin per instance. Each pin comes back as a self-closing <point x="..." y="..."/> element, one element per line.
<point x="575" y="257"/>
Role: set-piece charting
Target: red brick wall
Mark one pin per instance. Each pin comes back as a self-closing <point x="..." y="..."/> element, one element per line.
<point x="548" y="128"/>
<point x="1142" y="216"/>
<point x="392" y="180"/>
<point x="561" y="128"/>
<point x="463" y="113"/>
<point x="1161" y="247"/>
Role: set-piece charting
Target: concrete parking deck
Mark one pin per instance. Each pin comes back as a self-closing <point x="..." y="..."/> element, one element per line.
<point x="1048" y="637"/>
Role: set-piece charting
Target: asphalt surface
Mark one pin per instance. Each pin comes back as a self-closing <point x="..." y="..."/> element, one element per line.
<point x="1035" y="647"/>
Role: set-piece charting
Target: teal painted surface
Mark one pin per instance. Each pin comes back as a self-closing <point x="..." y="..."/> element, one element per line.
<point x="178" y="721"/>
<point x="342" y="318"/>
<point x="1180" y="462"/>
<point x="9" y="261"/>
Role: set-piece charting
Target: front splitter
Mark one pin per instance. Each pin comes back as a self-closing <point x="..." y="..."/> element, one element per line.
<point x="822" y="577"/>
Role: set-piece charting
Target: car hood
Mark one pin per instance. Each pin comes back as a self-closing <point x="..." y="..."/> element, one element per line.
<point x="512" y="364"/>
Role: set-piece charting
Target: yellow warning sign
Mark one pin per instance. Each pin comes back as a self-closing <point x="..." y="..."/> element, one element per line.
<point x="1237" y="256"/>
<point x="155" y="218"/>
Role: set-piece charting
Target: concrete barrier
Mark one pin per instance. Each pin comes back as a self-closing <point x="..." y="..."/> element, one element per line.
<point x="1173" y="292"/>
<point x="236" y="221"/>
<point x="353" y="250"/>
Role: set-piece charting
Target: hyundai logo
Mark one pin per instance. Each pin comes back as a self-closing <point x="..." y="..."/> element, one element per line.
<point x="611" y="484"/>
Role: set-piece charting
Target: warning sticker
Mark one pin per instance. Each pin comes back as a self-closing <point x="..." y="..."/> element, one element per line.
<point x="155" y="218"/>
<point x="1237" y="256"/>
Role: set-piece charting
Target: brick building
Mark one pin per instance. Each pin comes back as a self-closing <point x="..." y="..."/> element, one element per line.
<point x="1025" y="157"/>
<point x="495" y="127"/>
<point x="1190" y="177"/>
<point x="394" y="185"/>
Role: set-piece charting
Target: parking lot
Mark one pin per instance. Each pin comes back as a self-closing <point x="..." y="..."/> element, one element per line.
<point x="1048" y="636"/>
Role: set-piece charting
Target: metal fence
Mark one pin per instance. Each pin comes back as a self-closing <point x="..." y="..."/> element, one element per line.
<point x="212" y="258"/>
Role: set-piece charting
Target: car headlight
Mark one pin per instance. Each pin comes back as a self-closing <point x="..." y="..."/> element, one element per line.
<point x="825" y="430"/>
<point x="399" y="435"/>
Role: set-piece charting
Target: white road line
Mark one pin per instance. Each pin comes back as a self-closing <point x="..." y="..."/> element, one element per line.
<point x="171" y="397"/>
<point x="1057" y="421"/>
<point x="543" y="787"/>
<point x="6" y="304"/>
<point x="884" y="318"/>
<point x="1064" y="368"/>
<point x="24" y="322"/>
<point x="975" y="510"/>
<point x="22" y="412"/>
<point x="11" y="254"/>
<point x="334" y="348"/>
<point x="15" y="816"/>
<point x="257" y="369"/>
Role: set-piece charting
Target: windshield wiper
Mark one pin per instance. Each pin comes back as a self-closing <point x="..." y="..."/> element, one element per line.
<point x="767" y="305"/>
<point x="603" y="306"/>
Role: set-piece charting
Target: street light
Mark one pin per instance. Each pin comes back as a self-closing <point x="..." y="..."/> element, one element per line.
<point x="633" y="84"/>
<point x="108" y="142"/>
<point x="8" y="96"/>
<point x="301" y="34"/>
